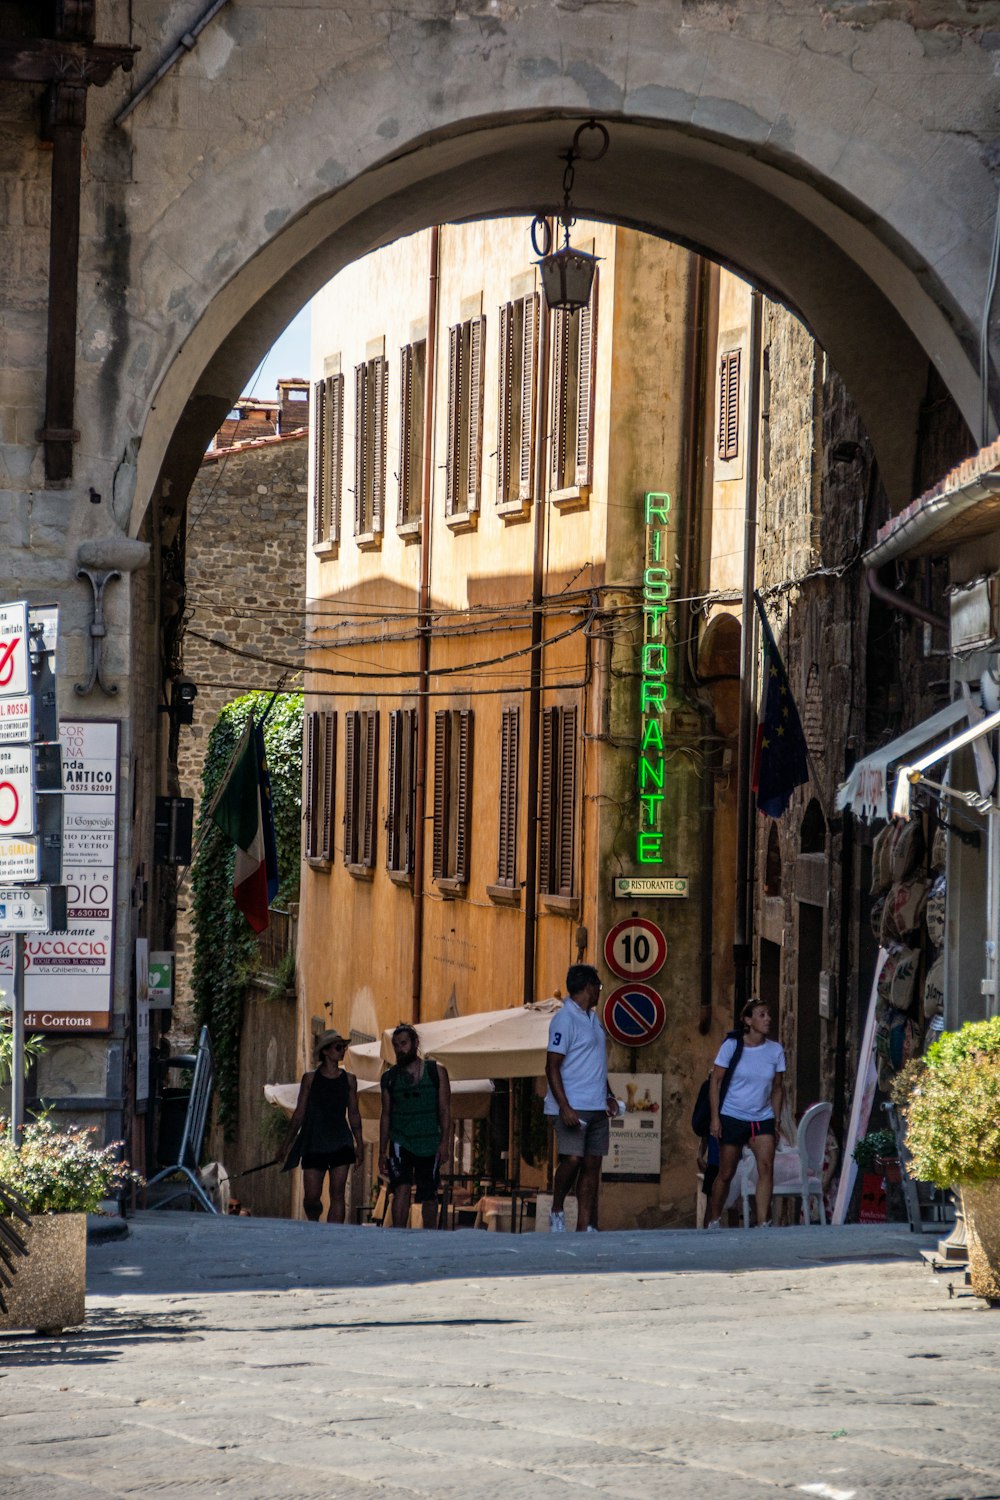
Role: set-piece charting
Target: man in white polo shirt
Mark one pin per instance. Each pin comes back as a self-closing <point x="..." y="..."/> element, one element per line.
<point x="578" y="1097"/>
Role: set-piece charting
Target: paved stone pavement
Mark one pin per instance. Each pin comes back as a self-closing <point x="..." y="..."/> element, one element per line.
<point x="286" y="1361"/>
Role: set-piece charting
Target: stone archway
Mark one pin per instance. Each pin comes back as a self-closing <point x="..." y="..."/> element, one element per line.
<point x="803" y="150"/>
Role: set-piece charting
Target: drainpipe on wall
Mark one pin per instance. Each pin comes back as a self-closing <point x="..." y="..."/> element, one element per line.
<point x="696" y="385"/>
<point x="535" y="680"/>
<point x="424" y="638"/>
<point x="742" y="938"/>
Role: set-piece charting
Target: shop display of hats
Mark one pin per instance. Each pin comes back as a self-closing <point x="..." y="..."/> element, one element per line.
<point x="934" y="914"/>
<point x="907" y="848"/>
<point x="934" y="989"/>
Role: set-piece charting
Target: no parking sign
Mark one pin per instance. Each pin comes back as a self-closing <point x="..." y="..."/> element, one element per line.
<point x="634" y="1015"/>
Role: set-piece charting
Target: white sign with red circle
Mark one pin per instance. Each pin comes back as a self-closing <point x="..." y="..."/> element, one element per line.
<point x="14" y="673"/>
<point x="17" y="791"/>
<point x="634" y="1015"/>
<point x="635" y="949"/>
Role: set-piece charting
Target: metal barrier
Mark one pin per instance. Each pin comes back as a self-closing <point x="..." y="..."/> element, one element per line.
<point x="195" y="1120"/>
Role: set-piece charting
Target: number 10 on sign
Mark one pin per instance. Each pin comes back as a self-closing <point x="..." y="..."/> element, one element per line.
<point x="635" y="949"/>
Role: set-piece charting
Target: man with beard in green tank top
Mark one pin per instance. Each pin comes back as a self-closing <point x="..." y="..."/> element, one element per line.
<point x="415" y="1135"/>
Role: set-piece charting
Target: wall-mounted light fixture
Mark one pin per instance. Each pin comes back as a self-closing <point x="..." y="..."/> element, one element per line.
<point x="568" y="274"/>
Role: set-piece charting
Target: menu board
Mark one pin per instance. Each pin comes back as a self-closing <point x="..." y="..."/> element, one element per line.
<point x="635" y="1136"/>
<point x="67" y="975"/>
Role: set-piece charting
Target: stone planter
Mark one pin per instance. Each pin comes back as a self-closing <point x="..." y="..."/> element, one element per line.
<point x="50" y="1284"/>
<point x="981" y="1201"/>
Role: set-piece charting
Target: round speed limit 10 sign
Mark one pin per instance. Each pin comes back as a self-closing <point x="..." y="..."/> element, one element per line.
<point x="635" y="949"/>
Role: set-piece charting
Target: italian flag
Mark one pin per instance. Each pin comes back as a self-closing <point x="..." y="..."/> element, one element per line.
<point x="238" y="813"/>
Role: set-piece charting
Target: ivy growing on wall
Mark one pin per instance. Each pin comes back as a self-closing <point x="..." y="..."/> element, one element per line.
<point x="226" y="953"/>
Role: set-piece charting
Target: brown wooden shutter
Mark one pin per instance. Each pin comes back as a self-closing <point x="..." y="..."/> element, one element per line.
<point x="335" y="453"/>
<point x="529" y="359"/>
<point x="477" y="356"/>
<point x="319" y="455"/>
<point x="369" y="790"/>
<point x="311" y="780"/>
<point x="454" y="398"/>
<point x="352" y="736"/>
<point x="329" y="769"/>
<point x="505" y="396"/>
<point x="463" y="796"/>
<point x="408" y="812"/>
<point x="546" y="794"/>
<point x="507" y="840"/>
<point x="567" y="803"/>
<point x="585" y="387"/>
<point x="442" y="766"/>
<point x="394" y="799"/>
<point x="380" y="404"/>
<point x="560" y="379"/>
<point x="405" y="433"/>
<point x="360" y="446"/>
<point x="729" y="405"/>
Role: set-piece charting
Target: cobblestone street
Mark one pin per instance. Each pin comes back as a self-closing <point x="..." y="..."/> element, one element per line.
<point x="262" y="1358"/>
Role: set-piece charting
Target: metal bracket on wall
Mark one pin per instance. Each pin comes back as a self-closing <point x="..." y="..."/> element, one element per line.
<point x="98" y="631"/>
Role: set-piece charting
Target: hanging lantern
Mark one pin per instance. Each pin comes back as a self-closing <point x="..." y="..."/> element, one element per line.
<point x="567" y="273"/>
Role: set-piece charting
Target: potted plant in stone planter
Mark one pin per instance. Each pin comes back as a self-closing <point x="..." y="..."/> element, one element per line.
<point x="950" y="1100"/>
<point x="877" y="1151"/>
<point x="59" y="1177"/>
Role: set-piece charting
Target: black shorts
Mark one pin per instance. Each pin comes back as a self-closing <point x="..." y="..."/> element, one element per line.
<point x="741" y="1132"/>
<point x="422" y="1173"/>
<point x="327" y="1161"/>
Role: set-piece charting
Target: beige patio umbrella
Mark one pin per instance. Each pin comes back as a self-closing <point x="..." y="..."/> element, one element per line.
<point x="434" y="1033"/>
<point x="513" y="1045"/>
<point x="364" y="1060"/>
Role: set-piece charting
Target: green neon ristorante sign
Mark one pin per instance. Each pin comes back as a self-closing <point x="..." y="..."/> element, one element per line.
<point x="656" y="679"/>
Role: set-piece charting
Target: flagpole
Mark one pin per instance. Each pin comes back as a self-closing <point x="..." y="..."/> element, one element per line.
<point x="743" y="925"/>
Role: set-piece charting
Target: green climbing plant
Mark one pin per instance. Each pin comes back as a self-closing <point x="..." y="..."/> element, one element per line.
<point x="226" y="954"/>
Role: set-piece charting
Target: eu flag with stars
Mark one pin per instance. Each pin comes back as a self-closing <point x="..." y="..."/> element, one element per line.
<point x="780" y="763"/>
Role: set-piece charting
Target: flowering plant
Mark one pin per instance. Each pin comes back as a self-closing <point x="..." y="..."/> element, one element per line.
<point x="950" y="1099"/>
<point x="60" y="1171"/>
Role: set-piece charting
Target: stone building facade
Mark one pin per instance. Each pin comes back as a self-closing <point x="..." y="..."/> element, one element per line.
<point x="244" y="542"/>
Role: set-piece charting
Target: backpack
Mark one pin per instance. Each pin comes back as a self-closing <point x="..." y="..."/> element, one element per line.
<point x="701" y="1115"/>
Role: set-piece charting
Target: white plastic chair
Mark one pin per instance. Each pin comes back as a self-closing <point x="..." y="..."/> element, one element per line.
<point x="805" y="1180"/>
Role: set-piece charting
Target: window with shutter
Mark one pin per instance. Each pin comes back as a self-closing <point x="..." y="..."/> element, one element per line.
<point x="507" y="832"/>
<point x="574" y="349"/>
<point x="729" y="404"/>
<point x="352" y="759"/>
<point x="335" y="454"/>
<point x="505" y="385"/>
<point x="378" y="371"/>
<point x="401" y="802"/>
<point x="528" y="374"/>
<point x="361" y="464"/>
<point x="311" y="771"/>
<point x="368" y="800"/>
<point x="329" y="741"/>
<point x="442" y="768"/>
<point x="557" y="812"/>
<point x="319" y="462"/>
<point x="412" y="396"/>
<point x="474" y="445"/>
<point x="452" y="836"/>
<point x="464" y="459"/>
<point x="463" y="797"/>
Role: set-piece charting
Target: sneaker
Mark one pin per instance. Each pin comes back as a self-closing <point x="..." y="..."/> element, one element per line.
<point x="590" y="1229"/>
<point x="557" y="1223"/>
<point x="714" y="1224"/>
<point x="766" y="1225"/>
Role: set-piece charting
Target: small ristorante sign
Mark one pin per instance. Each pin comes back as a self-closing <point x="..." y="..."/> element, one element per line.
<point x="68" y="975"/>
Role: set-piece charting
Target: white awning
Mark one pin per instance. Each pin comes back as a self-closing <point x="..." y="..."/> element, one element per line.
<point x="866" y="790"/>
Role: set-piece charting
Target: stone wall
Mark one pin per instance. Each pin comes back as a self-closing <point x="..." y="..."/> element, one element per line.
<point x="245" y="581"/>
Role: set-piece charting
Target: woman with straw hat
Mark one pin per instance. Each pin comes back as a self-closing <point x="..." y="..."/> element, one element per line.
<point x="324" y="1133"/>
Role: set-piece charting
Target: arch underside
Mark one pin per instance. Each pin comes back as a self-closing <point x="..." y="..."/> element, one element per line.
<point x="878" y="313"/>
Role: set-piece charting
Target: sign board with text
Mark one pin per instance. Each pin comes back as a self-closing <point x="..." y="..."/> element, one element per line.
<point x="19" y="859"/>
<point x="25" y="908"/>
<point x="651" y="887"/>
<point x="634" y="1154"/>
<point x="17" y="791"/>
<point x="68" y="974"/>
<point x="17" y="720"/>
<point x="161" y="981"/>
<point x="14" y="665"/>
